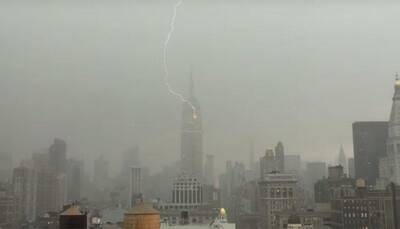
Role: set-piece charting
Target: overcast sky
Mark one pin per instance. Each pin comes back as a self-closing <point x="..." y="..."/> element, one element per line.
<point x="91" y="73"/>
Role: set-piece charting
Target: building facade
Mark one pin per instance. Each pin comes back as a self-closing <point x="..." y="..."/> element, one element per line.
<point x="188" y="205"/>
<point x="135" y="188"/>
<point x="280" y="157"/>
<point x="369" y="145"/>
<point x="314" y="171"/>
<point x="361" y="207"/>
<point x="389" y="168"/>
<point x="192" y="136"/>
<point x="351" y="169"/>
<point x="58" y="156"/>
<point x="209" y="168"/>
<point x="324" y="189"/>
<point x="24" y="189"/>
<point x="8" y="208"/>
<point x="278" y="192"/>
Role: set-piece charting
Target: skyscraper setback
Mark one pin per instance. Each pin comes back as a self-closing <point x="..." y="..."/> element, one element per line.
<point x="192" y="136"/>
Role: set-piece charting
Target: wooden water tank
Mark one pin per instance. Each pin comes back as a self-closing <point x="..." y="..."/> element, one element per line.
<point x="142" y="216"/>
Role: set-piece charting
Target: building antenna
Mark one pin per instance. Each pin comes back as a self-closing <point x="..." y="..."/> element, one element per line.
<point x="165" y="61"/>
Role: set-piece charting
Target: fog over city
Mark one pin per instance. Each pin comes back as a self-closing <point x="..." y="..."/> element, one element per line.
<point x="91" y="73"/>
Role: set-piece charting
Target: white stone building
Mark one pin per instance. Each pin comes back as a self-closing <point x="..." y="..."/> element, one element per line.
<point x="389" y="166"/>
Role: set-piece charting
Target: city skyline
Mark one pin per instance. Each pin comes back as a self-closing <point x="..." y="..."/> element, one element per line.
<point x="295" y="88"/>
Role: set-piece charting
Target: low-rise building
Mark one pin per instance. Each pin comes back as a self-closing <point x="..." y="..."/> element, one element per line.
<point x="189" y="204"/>
<point x="360" y="207"/>
<point x="324" y="189"/>
<point x="278" y="192"/>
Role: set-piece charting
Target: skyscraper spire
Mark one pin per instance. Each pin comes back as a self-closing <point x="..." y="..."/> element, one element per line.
<point x="191" y="135"/>
<point x="389" y="171"/>
<point x="342" y="158"/>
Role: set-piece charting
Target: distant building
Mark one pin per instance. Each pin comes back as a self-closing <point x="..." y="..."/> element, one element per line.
<point x="268" y="163"/>
<point x="44" y="187"/>
<point x="369" y="142"/>
<point x="342" y="160"/>
<point x="293" y="164"/>
<point x="192" y="136"/>
<point x="5" y="166"/>
<point x="314" y="171"/>
<point x="324" y="189"/>
<point x="58" y="156"/>
<point x="24" y="189"/>
<point x="51" y="170"/>
<point x="59" y="194"/>
<point x="209" y="174"/>
<point x="230" y="183"/>
<point x="74" y="180"/>
<point x="273" y="161"/>
<point x="389" y="167"/>
<point x="252" y="156"/>
<point x="135" y="187"/>
<point x="278" y="192"/>
<point x="351" y="169"/>
<point x="8" y="208"/>
<point x="280" y="156"/>
<point x="101" y="170"/>
<point x="192" y="201"/>
<point x="130" y="158"/>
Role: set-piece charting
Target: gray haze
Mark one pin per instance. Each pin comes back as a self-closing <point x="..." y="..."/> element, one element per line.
<point x="91" y="73"/>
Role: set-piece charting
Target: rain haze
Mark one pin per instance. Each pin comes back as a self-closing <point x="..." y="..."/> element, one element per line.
<point x="91" y="73"/>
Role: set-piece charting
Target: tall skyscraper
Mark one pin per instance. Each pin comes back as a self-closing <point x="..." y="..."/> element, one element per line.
<point x="135" y="187"/>
<point x="389" y="168"/>
<point x="44" y="186"/>
<point x="74" y="179"/>
<point x="192" y="136"/>
<point x="280" y="156"/>
<point x="369" y="142"/>
<point x="209" y="174"/>
<point x="58" y="156"/>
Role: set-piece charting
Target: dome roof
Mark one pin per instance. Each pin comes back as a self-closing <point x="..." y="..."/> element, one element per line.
<point x="142" y="209"/>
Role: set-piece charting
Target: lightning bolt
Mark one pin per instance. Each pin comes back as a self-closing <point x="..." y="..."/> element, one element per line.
<point x="165" y="58"/>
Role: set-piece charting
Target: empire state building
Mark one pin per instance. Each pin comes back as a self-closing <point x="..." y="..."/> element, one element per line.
<point x="192" y="136"/>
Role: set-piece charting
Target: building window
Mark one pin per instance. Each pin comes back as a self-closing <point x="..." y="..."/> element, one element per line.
<point x="272" y="192"/>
